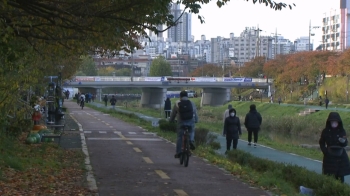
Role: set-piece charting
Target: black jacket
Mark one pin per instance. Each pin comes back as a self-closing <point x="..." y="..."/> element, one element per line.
<point x="232" y="127"/>
<point x="253" y="119"/>
<point x="335" y="158"/>
<point x="167" y="104"/>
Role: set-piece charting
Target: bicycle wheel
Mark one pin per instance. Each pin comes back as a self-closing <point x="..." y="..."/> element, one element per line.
<point x="82" y="105"/>
<point x="186" y="158"/>
<point x="182" y="158"/>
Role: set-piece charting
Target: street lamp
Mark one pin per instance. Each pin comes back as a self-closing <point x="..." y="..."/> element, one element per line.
<point x="314" y="27"/>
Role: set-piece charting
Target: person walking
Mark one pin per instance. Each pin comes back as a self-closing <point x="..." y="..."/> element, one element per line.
<point x="226" y="114"/>
<point x="253" y="122"/>
<point x="167" y="107"/>
<point x="279" y="100"/>
<point x="105" y="99"/>
<point x="332" y="142"/>
<point x="113" y="101"/>
<point x="232" y="130"/>
<point x="326" y="101"/>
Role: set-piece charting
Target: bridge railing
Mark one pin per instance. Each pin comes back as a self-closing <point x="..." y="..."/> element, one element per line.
<point x="191" y="79"/>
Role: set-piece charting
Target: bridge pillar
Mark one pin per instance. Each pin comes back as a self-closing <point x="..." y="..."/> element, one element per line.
<point x="99" y="94"/>
<point x="215" y="96"/>
<point x="153" y="97"/>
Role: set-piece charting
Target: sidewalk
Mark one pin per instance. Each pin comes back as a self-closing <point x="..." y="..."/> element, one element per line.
<point x="261" y="151"/>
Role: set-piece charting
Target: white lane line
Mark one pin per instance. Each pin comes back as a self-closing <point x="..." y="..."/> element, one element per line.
<point x="132" y="133"/>
<point x="102" y="131"/>
<point x="148" y="133"/>
<point x="87" y="131"/>
<point x="117" y="132"/>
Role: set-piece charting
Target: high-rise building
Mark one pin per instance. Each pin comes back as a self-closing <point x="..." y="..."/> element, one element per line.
<point x="182" y="31"/>
<point x="336" y="27"/>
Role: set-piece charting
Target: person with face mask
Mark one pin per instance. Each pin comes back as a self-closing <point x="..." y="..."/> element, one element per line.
<point x="232" y="130"/>
<point x="332" y="142"/>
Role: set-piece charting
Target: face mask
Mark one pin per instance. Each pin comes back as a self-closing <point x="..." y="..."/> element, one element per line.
<point x="334" y="124"/>
<point x="232" y="114"/>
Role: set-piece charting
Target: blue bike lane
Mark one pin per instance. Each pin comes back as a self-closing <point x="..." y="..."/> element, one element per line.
<point x="260" y="151"/>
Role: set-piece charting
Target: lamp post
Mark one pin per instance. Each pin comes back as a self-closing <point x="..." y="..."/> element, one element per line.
<point x="314" y="27"/>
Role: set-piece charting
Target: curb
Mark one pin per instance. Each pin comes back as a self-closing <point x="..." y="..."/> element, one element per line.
<point x="89" y="174"/>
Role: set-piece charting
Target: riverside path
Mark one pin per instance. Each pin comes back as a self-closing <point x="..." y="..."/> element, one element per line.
<point x="128" y="160"/>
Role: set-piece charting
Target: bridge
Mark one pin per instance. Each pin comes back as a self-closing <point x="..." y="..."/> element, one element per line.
<point x="216" y="90"/>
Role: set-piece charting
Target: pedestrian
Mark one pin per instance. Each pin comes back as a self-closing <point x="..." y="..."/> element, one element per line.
<point x="326" y="101"/>
<point x="226" y="114"/>
<point x="93" y="97"/>
<point x="279" y="100"/>
<point x="167" y="107"/>
<point x="253" y="122"/>
<point x="232" y="130"/>
<point x="185" y="111"/>
<point x="113" y="101"/>
<point x="305" y="101"/>
<point x="332" y="142"/>
<point x="105" y="99"/>
<point x="271" y="99"/>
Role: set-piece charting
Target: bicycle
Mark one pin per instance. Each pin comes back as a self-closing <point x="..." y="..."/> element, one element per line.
<point x="185" y="149"/>
<point x="82" y="104"/>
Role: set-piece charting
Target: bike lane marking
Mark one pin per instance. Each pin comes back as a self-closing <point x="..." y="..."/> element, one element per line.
<point x="147" y="160"/>
<point x="180" y="192"/>
<point x="128" y="142"/>
<point x="162" y="174"/>
<point x="137" y="149"/>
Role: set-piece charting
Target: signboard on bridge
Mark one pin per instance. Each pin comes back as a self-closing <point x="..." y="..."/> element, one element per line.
<point x="237" y="79"/>
<point x="154" y="79"/>
<point x="199" y="79"/>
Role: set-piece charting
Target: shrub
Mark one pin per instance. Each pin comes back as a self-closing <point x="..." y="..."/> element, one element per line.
<point x="164" y="125"/>
<point x="201" y="136"/>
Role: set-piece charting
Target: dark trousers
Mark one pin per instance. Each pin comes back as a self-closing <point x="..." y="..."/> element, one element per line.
<point x="230" y="140"/>
<point x="167" y="114"/>
<point x="255" y="132"/>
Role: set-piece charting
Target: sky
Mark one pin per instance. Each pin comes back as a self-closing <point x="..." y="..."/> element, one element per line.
<point x="238" y="14"/>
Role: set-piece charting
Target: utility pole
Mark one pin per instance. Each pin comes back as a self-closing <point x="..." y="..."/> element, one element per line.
<point x="275" y="43"/>
<point x="309" y="34"/>
<point x="347" y="89"/>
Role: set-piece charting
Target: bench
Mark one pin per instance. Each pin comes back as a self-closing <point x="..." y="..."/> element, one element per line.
<point x="55" y="134"/>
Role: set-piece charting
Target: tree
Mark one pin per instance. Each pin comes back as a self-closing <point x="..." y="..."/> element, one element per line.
<point x="208" y="70"/>
<point x="253" y="68"/>
<point x="160" y="67"/>
<point x="88" y="66"/>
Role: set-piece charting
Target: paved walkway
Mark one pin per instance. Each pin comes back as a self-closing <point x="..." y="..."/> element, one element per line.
<point x="261" y="151"/>
<point x="124" y="159"/>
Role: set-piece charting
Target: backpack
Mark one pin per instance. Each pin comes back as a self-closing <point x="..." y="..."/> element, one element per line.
<point x="185" y="110"/>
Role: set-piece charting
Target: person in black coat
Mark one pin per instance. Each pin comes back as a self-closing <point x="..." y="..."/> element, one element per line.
<point x="332" y="142"/>
<point x="167" y="107"/>
<point x="232" y="130"/>
<point x="252" y="122"/>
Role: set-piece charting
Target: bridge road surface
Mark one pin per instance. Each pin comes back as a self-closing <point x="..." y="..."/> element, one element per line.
<point x="127" y="160"/>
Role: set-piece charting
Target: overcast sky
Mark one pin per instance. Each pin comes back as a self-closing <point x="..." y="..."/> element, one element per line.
<point x="238" y="14"/>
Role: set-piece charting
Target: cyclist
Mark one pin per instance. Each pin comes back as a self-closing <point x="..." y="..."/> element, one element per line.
<point x="82" y="99"/>
<point x="185" y="112"/>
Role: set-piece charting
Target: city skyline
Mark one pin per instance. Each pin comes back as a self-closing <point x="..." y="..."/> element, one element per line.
<point x="291" y="24"/>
